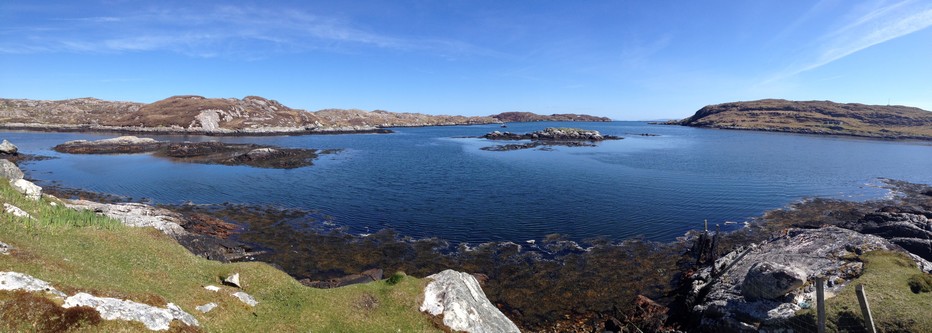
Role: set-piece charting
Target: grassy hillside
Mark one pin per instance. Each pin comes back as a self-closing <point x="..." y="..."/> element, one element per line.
<point x="80" y="251"/>
<point x="817" y="117"/>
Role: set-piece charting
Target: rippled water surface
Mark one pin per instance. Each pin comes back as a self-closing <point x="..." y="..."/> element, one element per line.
<point x="432" y="181"/>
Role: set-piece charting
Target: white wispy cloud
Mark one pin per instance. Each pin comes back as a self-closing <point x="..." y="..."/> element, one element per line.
<point x="230" y="30"/>
<point x="878" y="25"/>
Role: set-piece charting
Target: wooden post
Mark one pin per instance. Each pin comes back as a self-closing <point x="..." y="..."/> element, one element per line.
<point x="820" y="303"/>
<point x="865" y="309"/>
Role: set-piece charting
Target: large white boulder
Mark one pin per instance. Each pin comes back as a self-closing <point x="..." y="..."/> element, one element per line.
<point x="459" y="299"/>
<point x="27" y="188"/>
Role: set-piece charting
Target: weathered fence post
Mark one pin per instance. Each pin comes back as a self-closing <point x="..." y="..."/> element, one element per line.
<point x="820" y="303"/>
<point x="865" y="309"/>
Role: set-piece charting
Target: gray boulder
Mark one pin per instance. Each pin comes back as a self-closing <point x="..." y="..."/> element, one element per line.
<point x="768" y="280"/>
<point x="8" y="148"/>
<point x="27" y="188"/>
<point x="154" y="318"/>
<point x="9" y="170"/>
<point x="459" y="300"/>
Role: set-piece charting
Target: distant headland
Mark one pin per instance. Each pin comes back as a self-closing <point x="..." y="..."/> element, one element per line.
<point x="816" y="117"/>
<point x="251" y="115"/>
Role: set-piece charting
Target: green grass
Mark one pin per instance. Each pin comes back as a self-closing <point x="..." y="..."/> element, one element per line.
<point x="894" y="306"/>
<point x="80" y="251"/>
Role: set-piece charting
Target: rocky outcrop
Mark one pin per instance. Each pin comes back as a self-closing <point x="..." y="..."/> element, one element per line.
<point x="9" y="170"/>
<point x="551" y="136"/>
<point x="459" y="302"/>
<point x="512" y="117"/>
<point x="170" y="223"/>
<point x="910" y="229"/>
<point x="154" y="318"/>
<point x="198" y="152"/>
<point x="764" y="284"/>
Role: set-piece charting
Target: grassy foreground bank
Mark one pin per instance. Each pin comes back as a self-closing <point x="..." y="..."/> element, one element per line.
<point x="80" y="251"/>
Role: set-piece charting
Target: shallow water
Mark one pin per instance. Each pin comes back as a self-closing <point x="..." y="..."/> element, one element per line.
<point x="426" y="182"/>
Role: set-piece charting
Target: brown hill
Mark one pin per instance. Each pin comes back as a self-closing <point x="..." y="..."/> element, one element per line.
<point x="517" y="117"/>
<point x="196" y="114"/>
<point x="816" y="117"/>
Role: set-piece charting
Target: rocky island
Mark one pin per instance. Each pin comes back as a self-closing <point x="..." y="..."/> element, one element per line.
<point x="198" y="152"/>
<point x="251" y="115"/>
<point x="551" y="136"/>
<point x="816" y="117"/>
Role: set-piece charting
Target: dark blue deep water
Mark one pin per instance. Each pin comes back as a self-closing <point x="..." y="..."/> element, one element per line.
<point x="426" y="182"/>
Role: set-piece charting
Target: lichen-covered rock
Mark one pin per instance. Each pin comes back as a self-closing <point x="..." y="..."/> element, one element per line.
<point x="27" y="188"/>
<point x="460" y="301"/>
<point x="20" y="281"/>
<point x="154" y="318"/>
<point x="9" y="170"/>
<point x="722" y="299"/>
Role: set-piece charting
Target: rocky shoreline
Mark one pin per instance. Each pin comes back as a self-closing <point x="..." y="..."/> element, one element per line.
<point x="678" y="285"/>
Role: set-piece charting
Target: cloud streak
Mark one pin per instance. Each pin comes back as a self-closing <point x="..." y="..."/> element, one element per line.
<point x="874" y="27"/>
<point x="220" y="30"/>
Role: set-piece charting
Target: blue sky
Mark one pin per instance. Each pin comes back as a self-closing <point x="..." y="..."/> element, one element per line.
<point x="629" y="60"/>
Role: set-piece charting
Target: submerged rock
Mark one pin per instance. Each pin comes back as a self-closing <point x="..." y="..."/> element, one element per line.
<point x="458" y="299"/>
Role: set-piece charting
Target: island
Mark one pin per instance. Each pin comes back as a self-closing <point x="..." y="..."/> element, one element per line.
<point x="251" y="115"/>
<point x="551" y="136"/>
<point x="211" y="152"/>
<point x="816" y="117"/>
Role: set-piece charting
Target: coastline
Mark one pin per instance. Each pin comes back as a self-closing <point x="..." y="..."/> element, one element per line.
<point x="513" y="271"/>
<point x="804" y="132"/>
